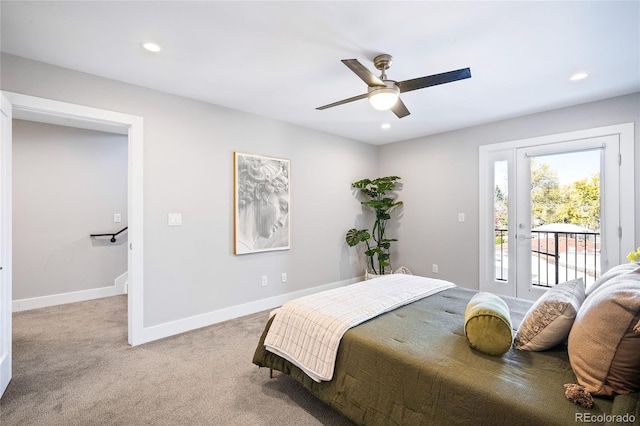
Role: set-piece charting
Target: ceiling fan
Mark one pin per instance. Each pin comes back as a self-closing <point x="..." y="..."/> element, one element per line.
<point x="384" y="94"/>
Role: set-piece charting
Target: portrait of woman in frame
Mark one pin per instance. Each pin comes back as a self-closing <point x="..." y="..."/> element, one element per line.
<point x="262" y="186"/>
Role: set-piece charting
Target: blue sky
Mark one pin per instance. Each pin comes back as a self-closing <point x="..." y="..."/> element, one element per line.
<point x="573" y="166"/>
<point x="570" y="167"/>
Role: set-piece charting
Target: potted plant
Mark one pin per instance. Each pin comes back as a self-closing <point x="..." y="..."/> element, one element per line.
<point x="381" y="198"/>
<point x="634" y="256"/>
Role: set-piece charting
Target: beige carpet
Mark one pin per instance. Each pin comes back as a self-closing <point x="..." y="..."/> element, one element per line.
<point x="72" y="366"/>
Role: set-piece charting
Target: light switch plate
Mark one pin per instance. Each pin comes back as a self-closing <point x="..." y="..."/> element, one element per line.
<point x="174" y="219"/>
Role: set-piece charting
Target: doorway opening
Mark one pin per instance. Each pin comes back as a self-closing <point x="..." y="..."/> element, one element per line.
<point x="68" y="183"/>
<point x="41" y="110"/>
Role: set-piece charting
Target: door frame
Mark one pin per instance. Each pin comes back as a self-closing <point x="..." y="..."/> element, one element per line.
<point x="5" y="245"/>
<point x="31" y="108"/>
<point x="487" y="153"/>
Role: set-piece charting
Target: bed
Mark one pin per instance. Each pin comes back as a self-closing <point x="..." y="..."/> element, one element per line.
<point x="414" y="366"/>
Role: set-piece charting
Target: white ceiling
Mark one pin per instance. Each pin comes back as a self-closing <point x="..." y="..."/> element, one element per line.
<point x="282" y="59"/>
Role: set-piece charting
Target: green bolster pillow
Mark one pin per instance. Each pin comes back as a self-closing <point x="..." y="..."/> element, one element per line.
<point x="487" y="324"/>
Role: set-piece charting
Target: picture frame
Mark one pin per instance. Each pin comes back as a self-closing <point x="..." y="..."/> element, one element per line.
<point x="262" y="187"/>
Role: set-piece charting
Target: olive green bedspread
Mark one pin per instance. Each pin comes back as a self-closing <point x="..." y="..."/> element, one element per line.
<point x="413" y="366"/>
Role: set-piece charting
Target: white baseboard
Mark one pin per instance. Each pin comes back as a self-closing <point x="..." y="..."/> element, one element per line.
<point x="61" y="299"/>
<point x="122" y="282"/>
<point x="161" y="331"/>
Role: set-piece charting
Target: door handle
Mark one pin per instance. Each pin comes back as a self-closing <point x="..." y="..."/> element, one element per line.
<point x="521" y="237"/>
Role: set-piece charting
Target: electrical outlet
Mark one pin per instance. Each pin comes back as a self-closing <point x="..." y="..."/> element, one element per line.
<point x="460" y="217"/>
<point x="284" y="277"/>
<point x="174" y="219"/>
<point x="265" y="280"/>
<point x="117" y="218"/>
<point x="434" y="268"/>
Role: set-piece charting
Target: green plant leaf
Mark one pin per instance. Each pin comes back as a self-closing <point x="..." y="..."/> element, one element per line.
<point x="372" y="252"/>
<point x="361" y="183"/>
<point x="355" y="236"/>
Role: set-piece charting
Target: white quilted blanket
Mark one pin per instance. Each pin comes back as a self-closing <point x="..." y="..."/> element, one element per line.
<point x="307" y="331"/>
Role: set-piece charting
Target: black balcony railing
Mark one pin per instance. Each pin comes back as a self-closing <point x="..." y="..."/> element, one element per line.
<point x="556" y="256"/>
<point x="501" y="253"/>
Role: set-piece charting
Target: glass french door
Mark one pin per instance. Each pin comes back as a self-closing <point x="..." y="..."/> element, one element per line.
<point x="562" y="231"/>
<point x="551" y="209"/>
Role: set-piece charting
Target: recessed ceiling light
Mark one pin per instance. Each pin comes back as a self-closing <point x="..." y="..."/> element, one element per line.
<point x="151" y="47"/>
<point x="385" y="126"/>
<point x="579" y="76"/>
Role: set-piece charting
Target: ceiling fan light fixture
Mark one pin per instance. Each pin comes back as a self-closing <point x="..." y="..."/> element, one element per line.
<point x="383" y="98"/>
<point x="384" y="94"/>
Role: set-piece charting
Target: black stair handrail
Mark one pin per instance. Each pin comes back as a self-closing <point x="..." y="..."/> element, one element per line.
<point x="113" y="236"/>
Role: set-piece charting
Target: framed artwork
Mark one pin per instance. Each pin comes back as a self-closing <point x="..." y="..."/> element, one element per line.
<point x="261" y="199"/>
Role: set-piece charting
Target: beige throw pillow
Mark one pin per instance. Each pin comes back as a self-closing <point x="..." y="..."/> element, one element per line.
<point x="604" y="343"/>
<point x="548" y="322"/>
<point x="624" y="373"/>
<point x="618" y="270"/>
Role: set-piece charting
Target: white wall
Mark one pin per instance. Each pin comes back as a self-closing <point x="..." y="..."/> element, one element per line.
<point x="67" y="184"/>
<point x="440" y="176"/>
<point x="188" y="169"/>
<point x="188" y="160"/>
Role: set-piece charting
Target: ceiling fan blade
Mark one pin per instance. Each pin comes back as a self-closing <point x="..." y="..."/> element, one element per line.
<point x="362" y="72"/>
<point x="400" y="109"/>
<point x="433" y="80"/>
<point x="344" y="101"/>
